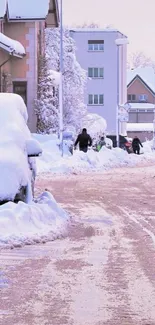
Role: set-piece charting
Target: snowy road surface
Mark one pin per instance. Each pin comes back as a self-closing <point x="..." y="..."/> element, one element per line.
<point x="103" y="272"/>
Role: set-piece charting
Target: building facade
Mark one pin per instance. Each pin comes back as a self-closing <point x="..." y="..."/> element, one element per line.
<point x="141" y="97"/>
<point x="97" y="54"/>
<point x="22" y="25"/>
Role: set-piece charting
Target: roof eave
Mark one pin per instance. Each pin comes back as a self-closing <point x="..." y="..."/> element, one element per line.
<point x="25" y="19"/>
<point x="11" y="52"/>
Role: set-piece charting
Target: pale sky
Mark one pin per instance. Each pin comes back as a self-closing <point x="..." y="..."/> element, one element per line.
<point x="131" y="17"/>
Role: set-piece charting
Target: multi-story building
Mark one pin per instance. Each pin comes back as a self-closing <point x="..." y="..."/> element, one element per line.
<point x="97" y="54"/>
<point x="22" y="25"/>
<point x="141" y="96"/>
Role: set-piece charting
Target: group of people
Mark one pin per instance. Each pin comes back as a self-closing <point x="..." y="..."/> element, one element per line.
<point x="84" y="140"/>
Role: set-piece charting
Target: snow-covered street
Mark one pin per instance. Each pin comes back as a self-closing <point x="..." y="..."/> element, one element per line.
<point x="103" y="271"/>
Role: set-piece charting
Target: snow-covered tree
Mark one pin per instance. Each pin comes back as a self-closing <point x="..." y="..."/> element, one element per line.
<point x="140" y="60"/>
<point x="47" y="102"/>
<point x="74" y="77"/>
<point x="88" y="25"/>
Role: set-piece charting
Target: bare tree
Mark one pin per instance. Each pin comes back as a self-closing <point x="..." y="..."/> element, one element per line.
<point x="140" y="60"/>
<point x="88" y="25"/>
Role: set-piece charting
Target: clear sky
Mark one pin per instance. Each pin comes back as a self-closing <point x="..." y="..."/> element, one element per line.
<point x="134" y="18"/>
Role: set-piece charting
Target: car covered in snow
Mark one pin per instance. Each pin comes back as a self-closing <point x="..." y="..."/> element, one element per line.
<point x="17" y="151"/>
<point x="125" y="143"/>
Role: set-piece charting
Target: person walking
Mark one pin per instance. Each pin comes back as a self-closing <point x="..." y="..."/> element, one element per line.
<point x="101" y="143"/>
<point x="84" y="140"/>
<point x="136" y="143"/>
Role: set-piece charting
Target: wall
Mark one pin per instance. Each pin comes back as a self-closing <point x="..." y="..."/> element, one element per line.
<point x="142" y="135"/>
<point x="108" y="60"/>
<point x="25" y="69"/>
<point x="32" y="71"/>
<point x="141" y="117"/>
<point x="138" y="88"/>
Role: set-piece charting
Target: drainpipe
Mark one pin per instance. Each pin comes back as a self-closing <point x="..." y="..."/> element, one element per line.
<point x="1" y="72"/>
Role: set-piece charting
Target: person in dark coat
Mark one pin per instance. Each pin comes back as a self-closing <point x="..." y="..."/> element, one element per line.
<point x="136" y="143"/>
<point x="84" y="141"/>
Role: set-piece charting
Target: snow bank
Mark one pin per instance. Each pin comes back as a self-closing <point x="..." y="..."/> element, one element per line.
<point x="32" y="223"/>
<point x="14" y="133"/>
<point x="51" y="160"/>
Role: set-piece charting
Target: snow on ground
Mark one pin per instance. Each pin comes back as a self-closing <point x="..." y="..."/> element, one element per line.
<point x="51" y="160"/>
<point x="31" y="223"/>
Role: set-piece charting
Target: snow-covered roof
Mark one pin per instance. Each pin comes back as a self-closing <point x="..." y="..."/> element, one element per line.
<point x="2" y="8"/>
<point x="147" y="127"/>
<point x="96" y="30"/>
<point x="142" y="106"/>
<point x="24" y="9"/>
<point x="146" y="74"/>
<point x="13" y="47"/>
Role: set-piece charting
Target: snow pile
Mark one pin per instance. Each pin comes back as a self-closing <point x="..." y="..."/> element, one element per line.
<point x="14" y="133"/>
<point x="15" y="144"/>
<point x="32" y="223"/>
<point x="51" y="160"/>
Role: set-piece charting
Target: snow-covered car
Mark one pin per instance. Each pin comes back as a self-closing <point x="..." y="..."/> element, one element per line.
<point x="125" y="143"/>
<point x="17" y="151"/>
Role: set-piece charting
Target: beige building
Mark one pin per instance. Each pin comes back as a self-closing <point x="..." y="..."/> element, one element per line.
<point x="141" y="97"/>
<point x="22" y="25"/>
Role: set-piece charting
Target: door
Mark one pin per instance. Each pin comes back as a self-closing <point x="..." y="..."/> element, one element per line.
<point x="20" y="88"/>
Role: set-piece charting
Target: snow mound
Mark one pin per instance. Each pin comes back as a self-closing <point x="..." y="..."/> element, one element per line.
<point x="51" y="160"/>
<point x="14" y="134"/>
<point x="25" y="224"/>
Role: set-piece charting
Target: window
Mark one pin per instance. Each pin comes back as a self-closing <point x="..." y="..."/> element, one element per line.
<point x="96" y="45"/>
<point x="90" y="99"/>
<point x="96" y="99"/>
<point x="101" y="99"/>
<point x="143" y="98"/>
<point x="20" y="88"/>
<point x="90" y="72"/>
<point x="96" y="72"/>
<point x="131" y="98"/>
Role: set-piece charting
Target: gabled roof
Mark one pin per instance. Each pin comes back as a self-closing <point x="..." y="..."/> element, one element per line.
<point x="13" y="47"/>
<point x="24" y="9"/>
<point x="145" y="75"/>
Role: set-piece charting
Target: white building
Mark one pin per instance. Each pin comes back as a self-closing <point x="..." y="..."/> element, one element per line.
<point x="97" y="54"/>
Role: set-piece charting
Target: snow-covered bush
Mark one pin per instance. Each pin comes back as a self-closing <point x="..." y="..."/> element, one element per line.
<point x="74" y="81"/>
